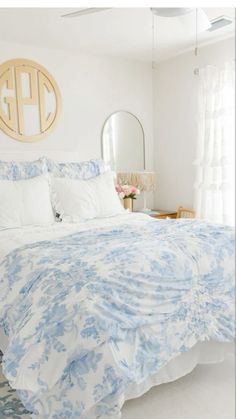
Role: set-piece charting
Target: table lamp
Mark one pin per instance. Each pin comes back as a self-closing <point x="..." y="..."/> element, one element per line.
<point x="145" y="181"/>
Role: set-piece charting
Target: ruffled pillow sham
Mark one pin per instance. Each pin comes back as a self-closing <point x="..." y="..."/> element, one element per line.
<point x="77" y="170"/>
<point x="13" y="170"/>
<point x="77" y="200"/>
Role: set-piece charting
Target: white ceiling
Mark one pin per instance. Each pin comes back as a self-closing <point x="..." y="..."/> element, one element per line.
<point x="117" y="32"/>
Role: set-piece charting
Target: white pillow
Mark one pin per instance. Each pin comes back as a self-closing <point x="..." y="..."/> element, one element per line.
<point x="76" y="200"/>
<point x="25" y="202"/>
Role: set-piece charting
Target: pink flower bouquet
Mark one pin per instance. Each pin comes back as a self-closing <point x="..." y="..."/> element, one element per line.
<point x="127" y="191"/>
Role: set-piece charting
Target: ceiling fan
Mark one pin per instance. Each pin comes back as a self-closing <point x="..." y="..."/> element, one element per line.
<point x="203" y="21"/>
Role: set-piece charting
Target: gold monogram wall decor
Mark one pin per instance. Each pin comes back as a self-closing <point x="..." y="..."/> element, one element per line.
<point x="30" y="100"/>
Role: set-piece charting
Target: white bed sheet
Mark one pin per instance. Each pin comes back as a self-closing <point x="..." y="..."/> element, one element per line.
<point x="11" y="238"/>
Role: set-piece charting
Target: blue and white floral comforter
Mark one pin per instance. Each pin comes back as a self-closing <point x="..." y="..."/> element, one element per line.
<point x="92" y="312"/>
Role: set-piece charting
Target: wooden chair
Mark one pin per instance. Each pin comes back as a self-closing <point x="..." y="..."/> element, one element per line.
<point x="185" y="213"/>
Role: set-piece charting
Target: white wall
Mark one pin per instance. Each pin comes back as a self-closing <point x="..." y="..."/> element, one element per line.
<point x="175" y="121"/>
<point x="92" y="88"/>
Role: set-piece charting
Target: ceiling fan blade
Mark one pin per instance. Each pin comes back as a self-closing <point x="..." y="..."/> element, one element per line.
<point x="170" y="11"/>
<point x="187" y="17"/>
<point x="204" y="21"/>
<point x="189" y="21"/>
<point x="87" y="11"/>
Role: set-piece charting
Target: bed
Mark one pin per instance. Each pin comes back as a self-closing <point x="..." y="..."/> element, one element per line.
<point x="95" y="313"/>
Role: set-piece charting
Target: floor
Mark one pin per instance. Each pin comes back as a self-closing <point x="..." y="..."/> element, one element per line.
<point x="206" y="393"/>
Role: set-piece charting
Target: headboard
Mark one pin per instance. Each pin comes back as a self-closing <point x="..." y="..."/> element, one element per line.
<point x="29" y="155"/>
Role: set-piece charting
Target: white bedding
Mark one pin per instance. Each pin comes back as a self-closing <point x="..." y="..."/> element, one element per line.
<point x="76" y="199"/>
<point x="11" y="238"/>
<point x="25" y="202"/>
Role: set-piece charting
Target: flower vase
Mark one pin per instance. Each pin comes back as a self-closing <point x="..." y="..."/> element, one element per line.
<point x="128" y="204"/>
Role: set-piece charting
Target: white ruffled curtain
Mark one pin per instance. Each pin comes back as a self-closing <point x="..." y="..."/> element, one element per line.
<point x="215" y="178"/>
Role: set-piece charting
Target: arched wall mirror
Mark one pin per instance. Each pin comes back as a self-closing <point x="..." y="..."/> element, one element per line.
<point x="123" y="142"/>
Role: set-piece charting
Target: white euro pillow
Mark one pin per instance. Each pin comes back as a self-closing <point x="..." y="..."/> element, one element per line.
<point x="76" y="200"/>
<point x="25" y="202"/>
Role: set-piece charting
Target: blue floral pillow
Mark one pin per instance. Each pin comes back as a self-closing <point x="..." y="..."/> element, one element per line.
<point x="73" y="170"/>
<point x="22" y="170"/>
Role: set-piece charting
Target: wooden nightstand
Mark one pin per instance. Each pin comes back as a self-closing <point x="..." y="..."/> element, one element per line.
<point x="163" y="214"/>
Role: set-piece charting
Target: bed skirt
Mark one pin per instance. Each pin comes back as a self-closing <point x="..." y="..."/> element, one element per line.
<point x="208" y="352"/>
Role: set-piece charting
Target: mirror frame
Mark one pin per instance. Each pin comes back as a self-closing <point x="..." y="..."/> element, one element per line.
<point x="144" y="144"/>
